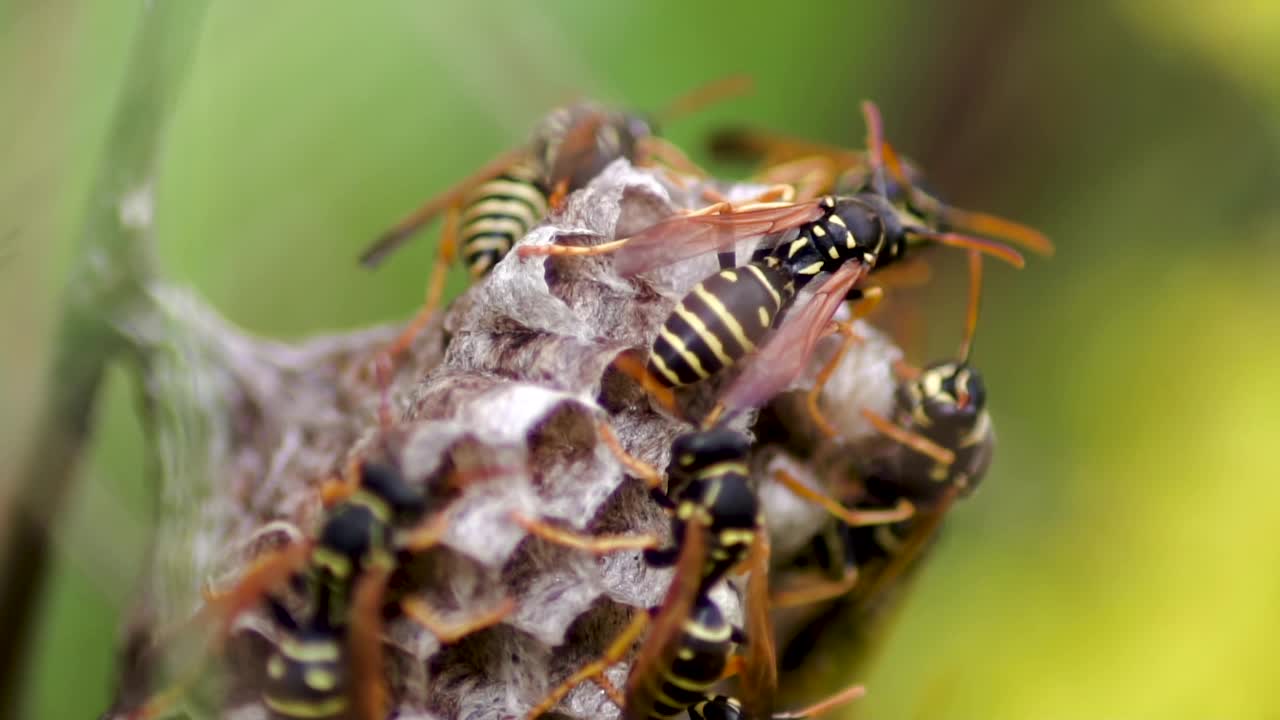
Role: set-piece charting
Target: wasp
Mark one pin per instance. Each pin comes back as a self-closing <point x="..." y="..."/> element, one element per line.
<point x="943" y="442"/>
<point x="708" y="479"/>
<point x="490" y="210"/>
<point x="718" y="525"/>
<point x="327" y="662"/>
<point x="734" y="312"/>
<point x="381" y="526"/>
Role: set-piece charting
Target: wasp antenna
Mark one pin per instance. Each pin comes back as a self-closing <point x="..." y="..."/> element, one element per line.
<point x="822" y="707"/>
<point x="972" y="242"/>
<point x="910" y="439"/>
<point x="875" y="146"/>
<point x="975" y="303"/>
<point x="893" y="162"/>
<point x="995" y="226"/>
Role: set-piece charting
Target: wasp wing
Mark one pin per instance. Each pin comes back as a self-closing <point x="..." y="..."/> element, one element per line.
<point x="784" y="355"/>
<point x="686" y="236"/>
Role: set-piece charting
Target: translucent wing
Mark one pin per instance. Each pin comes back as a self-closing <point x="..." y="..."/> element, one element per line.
<point x="784" y="355"/>
<point x="686" y="236"/>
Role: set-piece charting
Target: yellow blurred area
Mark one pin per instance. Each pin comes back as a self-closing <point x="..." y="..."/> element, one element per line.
<point x="1154" y="600"/>
<point x="1238" y="36"/>
<point x="1120" y="560"/>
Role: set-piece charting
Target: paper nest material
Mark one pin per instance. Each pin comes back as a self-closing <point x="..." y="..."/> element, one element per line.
<point x="516" y="375"/>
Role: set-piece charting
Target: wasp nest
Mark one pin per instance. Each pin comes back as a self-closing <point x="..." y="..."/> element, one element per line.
<point x="509" y="386"/>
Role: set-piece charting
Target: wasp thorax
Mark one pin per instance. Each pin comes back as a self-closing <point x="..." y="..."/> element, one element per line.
<point x="856" y="228"/>
<point x="352" y="533"/>
<point x="404" y="504"/>
<point x="695" y="450"/>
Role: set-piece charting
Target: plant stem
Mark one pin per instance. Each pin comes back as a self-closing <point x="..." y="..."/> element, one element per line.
<point x="112" y="268"/>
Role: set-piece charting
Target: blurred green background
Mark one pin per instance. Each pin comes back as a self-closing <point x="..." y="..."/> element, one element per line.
<point x="1121" y="560"/>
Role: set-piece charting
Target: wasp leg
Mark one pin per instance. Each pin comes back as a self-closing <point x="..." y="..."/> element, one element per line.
<point x="815" y="590"/>
<point x="641" y="469"/>
<point x="760" y="667"/>
<point x="915" y="441"/>
<point x="449" y="632"/>
<point x="854" y="518"/>
<point x="601" y="249"/>
<point x="733" y="667"/>
<point x="336" y="490"/>
<point x="369" y="695"/>
<point x="435" y="287"/>
<point x="633" y="367"/>
<point x="612" y="654"/>
<point x="869" y="298"/>
<point x="610" y="689"/>
<point x="596" y="544"/>
<point x="777" y="196"/>
<point x="824" y="375"/>
<point x="426" y="534"/>
<point x="662" y="500"/>
<point x="713" y="417"/>
<point x="268" y="571"/>
<point x="849" y="694"/>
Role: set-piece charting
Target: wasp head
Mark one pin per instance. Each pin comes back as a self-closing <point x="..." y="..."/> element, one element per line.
<point x="945" y="401"/>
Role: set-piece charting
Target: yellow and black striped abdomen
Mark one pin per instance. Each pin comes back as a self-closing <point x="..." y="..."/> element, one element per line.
<point x="700" y="657"/>
<point x="306" y="677"/>
<point x="497" y="214"/>
<point x="722" y="319"/>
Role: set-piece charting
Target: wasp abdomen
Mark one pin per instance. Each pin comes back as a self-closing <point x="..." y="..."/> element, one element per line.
<point x="305" y="677"/>
<point x="722" y="319"/>
<point x="497" y="214"/>
<point x="705" y="645"/>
